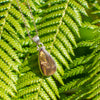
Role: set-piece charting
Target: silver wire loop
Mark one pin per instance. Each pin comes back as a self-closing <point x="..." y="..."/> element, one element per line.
<point x="41" y="44"/>
<point x="38" y="48"/>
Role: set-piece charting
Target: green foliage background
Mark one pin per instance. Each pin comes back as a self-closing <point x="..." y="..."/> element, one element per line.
<point x="70" y="31"/>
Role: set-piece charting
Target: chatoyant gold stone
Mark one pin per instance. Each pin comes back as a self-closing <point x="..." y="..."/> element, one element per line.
<point x="47" y="64"/>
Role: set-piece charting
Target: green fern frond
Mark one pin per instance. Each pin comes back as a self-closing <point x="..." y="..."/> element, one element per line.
<point x="89" y="25"/>
<point x="28" y="79"/>
<point x="96" y="12"/>
<point x="71" y="24"/>
<point x="6" y="70"/>
<point x="52" y="84"/>
<point x="30" y="96"/>
<point x="74" y="71"/>
<point x="10" y="51"/>
<point x="62" y="49"/>
<point x="81" y="60"/>
<point x="18" y="15"/>
<point x="4" y="95"/>
<point x="4" y="7"/>
<point x="8" y="60"/>
<point x="27" y="90"/>
<point x="75" y="15"/>
<point x="95" y="70"/>
<point x="34" y="5"/>
<point x="43" y="94"/>
<point x="11" y="41"/>
<point x="58" y="77"/>
<point x="68" y="86"/>
<point x="34" y="84"/>
<point x="53" y="25"/>
<point x="96" y="21"/>
<point x="97" y="78"/>
<point x="96" y="97"/>
<point x="85" y="43"/>
<point x="60" y="57"/>
<point x="59" y="67"/>
<point x="89" y="76"/>
<point x="84" y="3"/>
<point x="11" y="31"/>
<point x="7" y="88"/>
<point x="48" y="90"/>
<point x="91" y="93"/>
<point x="11" y="20"/>
<point x="64" y="40"/>
<point x="24" y="9"/>
<point x="68" y="33"/>
<point x="77" y="61"/>
<point x="95" y="90"/>
<point x="58" y="23"/>
<point x="28" y="82"/>
<point x="97" y="49"/>
<point x="7" y="81"/>
<point x="78" y="6"/>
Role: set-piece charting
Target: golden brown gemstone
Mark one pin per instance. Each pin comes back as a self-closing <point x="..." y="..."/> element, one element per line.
<point x="47" y="64"/>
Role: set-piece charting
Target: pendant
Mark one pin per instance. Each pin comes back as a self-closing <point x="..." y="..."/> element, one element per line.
<point x="46" y="63"/>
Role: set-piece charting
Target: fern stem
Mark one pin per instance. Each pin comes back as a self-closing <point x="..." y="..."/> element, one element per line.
<point x="66" y="5"/>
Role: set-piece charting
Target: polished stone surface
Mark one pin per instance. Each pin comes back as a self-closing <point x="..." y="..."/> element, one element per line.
<point x="47" y="64"/>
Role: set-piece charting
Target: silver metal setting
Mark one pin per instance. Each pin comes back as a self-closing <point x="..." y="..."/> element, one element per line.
<point x="36" y="39"/>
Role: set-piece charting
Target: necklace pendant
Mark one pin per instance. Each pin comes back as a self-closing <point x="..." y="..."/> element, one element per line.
<point x="46" y="63"/>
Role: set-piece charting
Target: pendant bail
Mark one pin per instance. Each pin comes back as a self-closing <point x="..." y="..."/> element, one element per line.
<point x="36" y="39"/>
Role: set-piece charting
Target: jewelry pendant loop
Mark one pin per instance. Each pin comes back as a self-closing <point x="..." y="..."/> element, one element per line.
<point x="36" y="39"/>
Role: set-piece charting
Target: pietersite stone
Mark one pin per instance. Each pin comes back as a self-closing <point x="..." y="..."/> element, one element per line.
<point x="47" y="64"/>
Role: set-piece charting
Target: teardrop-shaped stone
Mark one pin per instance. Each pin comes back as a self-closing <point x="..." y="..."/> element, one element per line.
<point x="47" y="64"/>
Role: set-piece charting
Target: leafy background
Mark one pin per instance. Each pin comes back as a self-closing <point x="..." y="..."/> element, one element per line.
<point x="70" y="31"/>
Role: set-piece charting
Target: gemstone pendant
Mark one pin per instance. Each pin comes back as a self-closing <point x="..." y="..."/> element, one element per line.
<point x="46" y="63"/>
